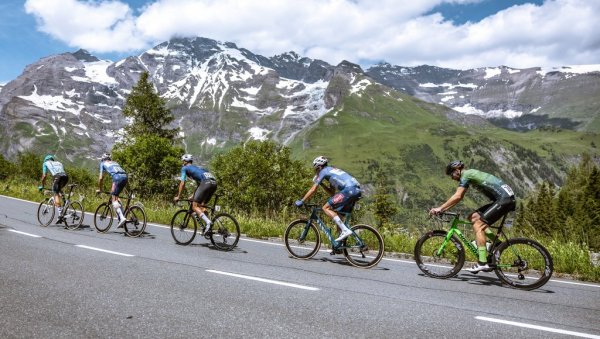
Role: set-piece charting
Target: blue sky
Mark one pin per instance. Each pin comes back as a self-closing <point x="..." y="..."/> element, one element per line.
<point x="448" y="33"/>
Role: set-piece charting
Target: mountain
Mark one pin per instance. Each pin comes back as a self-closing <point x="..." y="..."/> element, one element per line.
<point x="520" y="99"/>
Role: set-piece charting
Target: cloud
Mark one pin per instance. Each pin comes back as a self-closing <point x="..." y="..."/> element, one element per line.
<point x="559" y="32"/>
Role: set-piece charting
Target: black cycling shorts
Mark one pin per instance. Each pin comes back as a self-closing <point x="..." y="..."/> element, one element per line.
<point x="205" y="191"/>
<point x="491" y="213"/>
<point x="60" y="180"/>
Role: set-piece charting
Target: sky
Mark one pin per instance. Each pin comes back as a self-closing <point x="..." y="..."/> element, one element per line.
<point x="457" y="34"/>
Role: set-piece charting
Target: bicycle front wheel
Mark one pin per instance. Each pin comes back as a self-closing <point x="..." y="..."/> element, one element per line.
<point x="45" y="212"/>
<point x="183" y="227"/>
<point x="225" y="232"/>
<point x="364" y="248"/>
<point x="74" y="215"/>
<point x="136" y="221"/>
<point x="523" y="263"/>
<point x="302" y="239"/>
<point x="438" y="258"/>
<point x="103" y="218"/>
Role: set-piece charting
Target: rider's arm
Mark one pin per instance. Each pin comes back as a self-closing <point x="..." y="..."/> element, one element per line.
<point x="454" y="199"/>
<point x="310" y="192"/>
<point x="329" y="189"/>
<point x="100" y="178"/>
<point x="181" y="185"/>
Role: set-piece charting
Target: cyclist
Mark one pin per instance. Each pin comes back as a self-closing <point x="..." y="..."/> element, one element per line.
<point x="503" y="201"/>
<point x="348" y="192"/>
<point x="59" y="180"/>
<point x="119" y="181"/>
<point x="207" y="185"/>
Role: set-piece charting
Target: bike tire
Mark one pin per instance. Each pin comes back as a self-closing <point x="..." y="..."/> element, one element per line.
<point x="306" y="247"/>
<point x="74" y="215"/>
<point x="365" y="247"/>
<point x="182" y="232"/>
<point x="523" y="263"/>
<point x="439" y="265"/>
<point x="103" y="218"/>
<point x="135" y="223"/>
<point x="45" y="212"/>
<point x="225" y="232"/>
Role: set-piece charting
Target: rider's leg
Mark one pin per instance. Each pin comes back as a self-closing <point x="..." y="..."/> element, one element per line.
<point x="344" y="230"/>
<point x="479" y="227"/>
<point x="118" y="208"/>
<point x="200" y="212"/>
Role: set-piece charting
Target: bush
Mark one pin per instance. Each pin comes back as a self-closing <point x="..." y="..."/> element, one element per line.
<point x="6" y="168"/>
<point x="29" y="165"/>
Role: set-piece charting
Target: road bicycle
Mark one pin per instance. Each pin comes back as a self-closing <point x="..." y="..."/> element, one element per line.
<point x="518" y="262"/>
<point x="72" y="212"/>
<point x="135" y="216"/>
<point x="224" y="233"/>
<point x="364" y="248"/>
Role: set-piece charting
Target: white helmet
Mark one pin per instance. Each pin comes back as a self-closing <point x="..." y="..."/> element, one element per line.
<point x="187" y="158"/>
<point x="105" y="156"/>
<point x="320" y="161"/>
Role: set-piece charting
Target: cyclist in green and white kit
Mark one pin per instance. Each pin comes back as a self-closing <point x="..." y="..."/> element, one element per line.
<point x="59" y="180"/>
<point x="503" y="201"/>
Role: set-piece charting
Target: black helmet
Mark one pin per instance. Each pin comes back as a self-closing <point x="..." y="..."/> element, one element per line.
<point x="454" y="165"/>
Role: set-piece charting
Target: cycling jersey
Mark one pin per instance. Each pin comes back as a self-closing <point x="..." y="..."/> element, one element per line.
<point x="199" y="174"/>
<point x="54" y="167"/>
<point x="336" y="177"/>
<point x="111" y="168"/>
<point x="491" y="186"/>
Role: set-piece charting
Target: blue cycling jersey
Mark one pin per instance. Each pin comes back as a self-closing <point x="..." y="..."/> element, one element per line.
<point x="336" y="177"/>
<point x="54" y="167"/>
<point x="199" y="174"/>
<point x="111" y="168"/>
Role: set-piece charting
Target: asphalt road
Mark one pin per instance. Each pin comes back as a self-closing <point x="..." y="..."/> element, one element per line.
<point x="56" y="283"/>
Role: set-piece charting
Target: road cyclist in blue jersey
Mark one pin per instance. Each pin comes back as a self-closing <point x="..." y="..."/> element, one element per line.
<point x="60" y="179"/>
<point x="119" y="181"/>
<point x="207" y="185"/>
<point x="348" y="192"/>
<point x="501" y="195"/>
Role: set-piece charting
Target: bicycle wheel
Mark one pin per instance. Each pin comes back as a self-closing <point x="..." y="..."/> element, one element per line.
<point x="523" y="263"/>
<point x="437" y="257"/>
<point x="183" y="227"/>
<point x="74" y="215"/>
<point x="103" y="218"/>
<point x="365" y="247"/>
<point x="45" y="212"/>
<point x="225" y="232"/>
<point x="302" y="239"/>
<point x="135" y="223"/>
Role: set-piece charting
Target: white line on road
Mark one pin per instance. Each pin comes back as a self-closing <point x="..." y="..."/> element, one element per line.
<point x="106" y="251"/>
<point x="541" y="328"/>
<point x="27" y="234"/>
<point x="265" y="280"/>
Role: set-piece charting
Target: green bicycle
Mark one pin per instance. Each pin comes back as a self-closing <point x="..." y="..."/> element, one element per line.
<point x="518" y="262"/>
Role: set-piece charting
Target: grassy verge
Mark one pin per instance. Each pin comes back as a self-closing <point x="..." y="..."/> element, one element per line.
<point x="569" y="258"/>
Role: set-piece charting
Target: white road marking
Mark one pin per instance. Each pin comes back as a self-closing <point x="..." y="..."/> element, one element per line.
<point x="541" y="328"/>
<point x="265" y="280"/>
<point x="27" y="234"/>
<point x="105" y="251"/>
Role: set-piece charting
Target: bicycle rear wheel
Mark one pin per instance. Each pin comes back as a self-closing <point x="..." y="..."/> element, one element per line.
<point x="74" y="215"/>
<point x="437" y="257"/>
<point x="225" y="232"/>
<point x="183" y="227"/>
<point x="135" y="223"/>
<point x="302" y="239"/>
<point x="365" y="247"/>
<point x="523" y="263"/>
<point x="45" y="212"/>
<point x="103" y="218"/>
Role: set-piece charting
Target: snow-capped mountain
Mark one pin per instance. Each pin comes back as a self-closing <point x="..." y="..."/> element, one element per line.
<point x="220" y="95"/>
<point x="566" y="97"/>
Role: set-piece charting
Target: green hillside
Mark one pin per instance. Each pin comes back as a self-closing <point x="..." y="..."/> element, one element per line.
<point x="410" y="141"/>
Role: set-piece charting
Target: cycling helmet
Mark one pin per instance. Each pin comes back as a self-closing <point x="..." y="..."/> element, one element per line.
<point x="187" y="158"/>
<point x="105" y="156"/>
<point x="320" y="161"/>
<point x="49" y="157"/>
<point x="454" y="165"/>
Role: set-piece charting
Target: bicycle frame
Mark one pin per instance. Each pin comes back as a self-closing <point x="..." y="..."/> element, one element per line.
<point x="327" y="230"/>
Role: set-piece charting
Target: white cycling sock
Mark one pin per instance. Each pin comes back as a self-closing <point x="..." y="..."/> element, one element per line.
<point x="340" y="224"/>
<point x="205" y="218"/>
<point x="117" y="208"/>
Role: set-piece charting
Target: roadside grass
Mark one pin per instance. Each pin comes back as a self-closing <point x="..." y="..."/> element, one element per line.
<point x="570" y="259"/>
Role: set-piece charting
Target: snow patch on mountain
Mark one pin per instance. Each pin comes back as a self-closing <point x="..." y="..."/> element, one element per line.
<point x="96" y="71"/>
<point x="258" y="133"/>
<point x="360" y="86"/>
<point x="492" y="72"/>
<point x="497" y="113"/>
<point x="573" y="69"/>
<point x="53" y="103"/>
